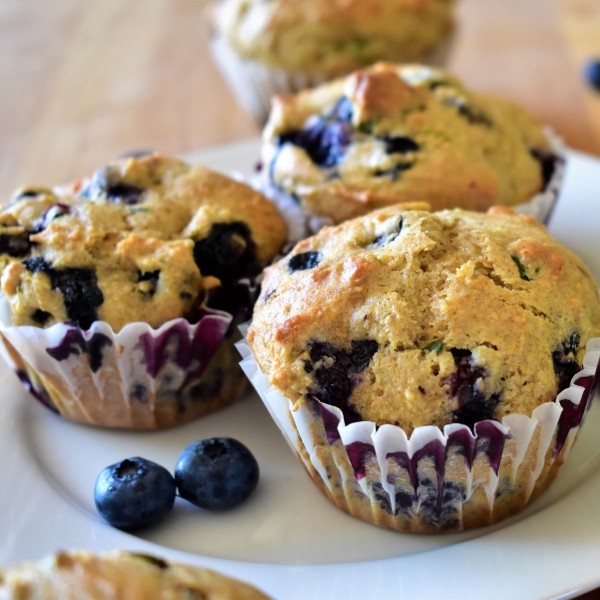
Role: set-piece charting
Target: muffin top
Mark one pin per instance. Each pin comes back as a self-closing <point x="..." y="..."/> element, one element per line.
<point x="118" y="576"/>
<point x="332" y="37"/>
<point x="391" y="134"/>
<point x="141" y="240"/>
<point x="415" y="318"/>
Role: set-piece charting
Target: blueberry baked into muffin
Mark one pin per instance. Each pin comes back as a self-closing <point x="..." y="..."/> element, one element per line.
<point x="148" y="264"/>
<point x="393" y="133"/>
<point x="419" y="323"/>
<point x="118" y="575"/>
<point x="283" y="46"/>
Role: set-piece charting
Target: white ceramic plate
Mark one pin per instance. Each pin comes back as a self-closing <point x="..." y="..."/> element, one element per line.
<point x="287" y="539"/>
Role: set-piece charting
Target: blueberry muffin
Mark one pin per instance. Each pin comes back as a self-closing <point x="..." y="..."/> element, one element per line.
<point x="392" y="133"/>
<point x="149" y="241"/>
<point x="411" y="319"/>
<point x="117" y="576"/>
<point x="283" y="46"/>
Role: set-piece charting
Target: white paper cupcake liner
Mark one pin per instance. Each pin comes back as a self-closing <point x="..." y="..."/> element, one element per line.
<point x="433" y="481"/>
<point x="140" y="377"/>
<point x="253" y="84"/>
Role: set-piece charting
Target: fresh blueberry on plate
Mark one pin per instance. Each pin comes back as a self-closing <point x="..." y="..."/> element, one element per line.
<point x="592" y="73"/>
<point x="216" y="474"/>
<point x="134" y="493"/>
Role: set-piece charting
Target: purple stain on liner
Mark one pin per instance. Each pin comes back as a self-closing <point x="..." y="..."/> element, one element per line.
<point x="491" y="441"/>
<point x="75" y="343"/>
<point x="572" y="415"/>
<point x="174" y="344"/>
<point x="331" y="422"/>
<point x="359" y="453"/>
<point x="40" y="395"/>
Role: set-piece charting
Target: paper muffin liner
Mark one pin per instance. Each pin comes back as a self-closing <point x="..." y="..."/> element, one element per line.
<point x="435" y="480"/>
<point x="254" y="84"/>
<point x="138" y="378"/>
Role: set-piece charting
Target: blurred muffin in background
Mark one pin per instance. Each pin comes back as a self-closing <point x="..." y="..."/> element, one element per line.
<point x="406" y="133"/>
<point x="283" y="46"/>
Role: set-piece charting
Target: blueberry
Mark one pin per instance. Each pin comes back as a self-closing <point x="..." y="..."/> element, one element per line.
<point x="152" y="278"/>
<point x="79" y="287"/>
<point x="106" y="182"/>
<point x="472" y="115"/>
<point x="51" y="214"/>
<point x="304" y="261"/>
<point x="394" y="173"/>
<point x="390" y="235"/>
<point x="40" y="316"/>
<point x="15" y="245"/>
<point x="216" y="474"/>
<point x="343" y="110"/>
<point x="564" y="360"/>
<point x="135" y="154"/>
<point x="592" y="74"/>
<point x="333" y="379"/>
<point x="134" y="493"/>
<point x="547" y="162"/>
<point x="228" y="252"/>
<point x="473" y="405"/>
<point x="398" y="144"/>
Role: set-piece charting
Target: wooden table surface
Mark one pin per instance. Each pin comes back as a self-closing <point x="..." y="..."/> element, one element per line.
<point x="83" y="80"/>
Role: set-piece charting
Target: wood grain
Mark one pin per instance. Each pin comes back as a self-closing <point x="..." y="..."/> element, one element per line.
<point x="83" y="81"/>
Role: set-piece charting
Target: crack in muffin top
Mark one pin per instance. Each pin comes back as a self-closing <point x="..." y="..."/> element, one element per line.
<point x="415" y="318"/>
<point x="143" y="239"/>
<point x="394" y="133"/>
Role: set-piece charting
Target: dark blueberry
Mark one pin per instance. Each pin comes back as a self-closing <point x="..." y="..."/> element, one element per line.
<point x="40" y="316"/>
<point x="592" y="74"/>
<point x="216" y="474"/>
<point x="390" y="236"/>
<point x="325" y="143"/>
<point x="81" y="294"/>
<point x="134" y="493"/>
<point x="36" y="265"/>
<point x="473" y="405"/>
<point x="472" y="115"/>
<point x="124" y="192"/>
<point x="79" y="287"/>
<point x="343" y="110"/>
<point x="361" y="355"/>
<point x="228" y="252"/>
<point x="106" y="182"/>
<point x="521" y="267"/>
<point x="398" y="144"/>
<point x="51" y="214"/>
<point x="152" y="278"/>
<point x="15" y="245"/>
<point x="547" y="162"/>
<point x="304" y="261"/>
<point x="564" y="360"/>
<point x="334" y="381"/>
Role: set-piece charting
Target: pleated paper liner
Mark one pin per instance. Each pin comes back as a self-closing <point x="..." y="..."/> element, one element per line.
<point x="435" y="481"/>
<point x="139" y="378"/>
<point x="253" y="83"/>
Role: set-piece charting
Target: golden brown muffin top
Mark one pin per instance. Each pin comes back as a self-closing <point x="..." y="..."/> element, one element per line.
<point x="142" y="240"/>
<point x="415" y="318"/>
<point x="332" y="37"/>
<point x="117" y="576"/>
<point x="394" y="133"/>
